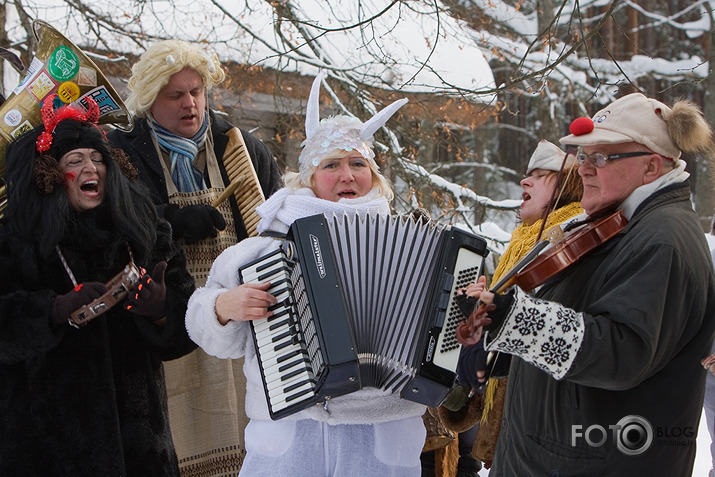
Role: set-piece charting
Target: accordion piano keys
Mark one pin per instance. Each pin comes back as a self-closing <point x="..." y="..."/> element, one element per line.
<point x="282" y="356"/>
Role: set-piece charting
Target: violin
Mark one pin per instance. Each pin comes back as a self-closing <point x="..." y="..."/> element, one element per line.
<point x="536" y="268"/>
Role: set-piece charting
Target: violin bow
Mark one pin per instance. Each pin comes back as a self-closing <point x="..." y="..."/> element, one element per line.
<point x="551" y="206"/>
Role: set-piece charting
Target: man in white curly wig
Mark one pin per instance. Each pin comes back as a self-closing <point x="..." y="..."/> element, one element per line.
<point x="605" y="378"/>
<point x="184" y="154"/>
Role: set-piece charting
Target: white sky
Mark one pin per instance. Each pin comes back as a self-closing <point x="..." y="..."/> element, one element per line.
<point x="422" y="49"/>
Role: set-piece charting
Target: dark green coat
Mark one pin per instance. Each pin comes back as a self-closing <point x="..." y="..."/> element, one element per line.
<point x="647" y="303"/>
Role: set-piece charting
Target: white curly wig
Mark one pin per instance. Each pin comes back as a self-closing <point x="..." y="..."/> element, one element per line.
<point x="162" y="60"/>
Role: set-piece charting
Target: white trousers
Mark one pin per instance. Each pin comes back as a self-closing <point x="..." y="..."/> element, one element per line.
<point x="310" y="448"/>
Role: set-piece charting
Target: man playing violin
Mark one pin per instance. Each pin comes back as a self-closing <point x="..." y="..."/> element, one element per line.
<point x="605" y="377"/>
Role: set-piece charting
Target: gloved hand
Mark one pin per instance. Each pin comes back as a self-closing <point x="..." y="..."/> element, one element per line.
<point x="472" y="359"/>
<point x="194" y="222"/>
<point x="709" y="363"/>
<point x="465" y="303"/>
<point x="148" y="297"/>
<point x="498" y="310"/>
<point x="82" y="294"/>
<point x="457" y="398"/>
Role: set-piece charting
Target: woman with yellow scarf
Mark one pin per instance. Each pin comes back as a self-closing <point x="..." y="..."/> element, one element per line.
<point x="542" y="179"/>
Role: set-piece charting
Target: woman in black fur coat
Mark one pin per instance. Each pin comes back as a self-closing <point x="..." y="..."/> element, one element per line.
<point x="88" y="400"/>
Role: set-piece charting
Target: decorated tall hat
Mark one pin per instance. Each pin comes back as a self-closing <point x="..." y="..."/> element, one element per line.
<point x="328" y="137"/>
<point x="60" y="70"/>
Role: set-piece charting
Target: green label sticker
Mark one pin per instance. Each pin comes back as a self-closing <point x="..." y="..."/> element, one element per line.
<point x="63" y="64"/>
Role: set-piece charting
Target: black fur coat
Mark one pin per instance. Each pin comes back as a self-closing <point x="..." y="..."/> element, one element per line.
<point x="89" y="401"/>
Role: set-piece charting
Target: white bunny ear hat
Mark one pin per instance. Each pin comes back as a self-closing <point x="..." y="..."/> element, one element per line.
<point x="324" y="138"/>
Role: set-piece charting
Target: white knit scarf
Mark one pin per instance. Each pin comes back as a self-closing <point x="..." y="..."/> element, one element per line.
<point x="287" y="205"/>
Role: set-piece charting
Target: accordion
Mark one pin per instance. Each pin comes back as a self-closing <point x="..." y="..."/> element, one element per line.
<point x="362" y="302"/>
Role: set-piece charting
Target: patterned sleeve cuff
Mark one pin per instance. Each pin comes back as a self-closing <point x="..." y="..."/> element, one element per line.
<point x="543" y="333"/>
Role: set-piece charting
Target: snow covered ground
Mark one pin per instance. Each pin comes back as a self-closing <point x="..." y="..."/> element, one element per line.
<point x="702" y="458"/>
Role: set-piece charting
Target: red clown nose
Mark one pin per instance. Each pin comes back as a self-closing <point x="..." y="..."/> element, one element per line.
<point x="580" y="126"/>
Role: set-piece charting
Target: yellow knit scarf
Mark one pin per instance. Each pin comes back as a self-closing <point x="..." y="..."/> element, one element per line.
<point x="523" y="239"/>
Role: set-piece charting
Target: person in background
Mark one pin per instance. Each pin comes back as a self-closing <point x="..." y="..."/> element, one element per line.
<point x="85" y="396"/>
<point x="549" y="195"/>
<point x="185" y="154"/>
<point x="369" y="432"/>
<point x="614" y="341"/>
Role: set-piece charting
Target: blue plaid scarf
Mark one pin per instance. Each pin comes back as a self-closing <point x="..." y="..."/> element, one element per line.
<point x="182" y="153"/>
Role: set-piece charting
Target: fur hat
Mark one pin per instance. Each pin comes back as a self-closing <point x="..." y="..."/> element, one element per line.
<point x="549" y="157"/>
<point x="72" y="134"/>
<point x="337" y="134"/>
<point x="637" y="118"/>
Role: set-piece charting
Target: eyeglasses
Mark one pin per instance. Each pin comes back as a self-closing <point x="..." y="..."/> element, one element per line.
<point x="600" y="160"/>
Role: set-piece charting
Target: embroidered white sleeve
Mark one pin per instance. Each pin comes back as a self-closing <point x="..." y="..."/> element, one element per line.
<point x="543" y="333"/>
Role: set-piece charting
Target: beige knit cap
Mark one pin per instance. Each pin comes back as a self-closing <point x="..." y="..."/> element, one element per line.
<point x="549" y="157"/>
<point x="632" y="118"/>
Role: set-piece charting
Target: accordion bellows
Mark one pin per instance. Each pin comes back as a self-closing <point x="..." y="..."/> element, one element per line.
<point x="362" y="302"/>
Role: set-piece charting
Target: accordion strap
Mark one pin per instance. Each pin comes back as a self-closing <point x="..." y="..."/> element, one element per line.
<point x="273" y="234"/>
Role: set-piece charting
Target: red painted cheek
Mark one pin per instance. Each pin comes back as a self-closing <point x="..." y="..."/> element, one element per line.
<point x="70" y="176"/>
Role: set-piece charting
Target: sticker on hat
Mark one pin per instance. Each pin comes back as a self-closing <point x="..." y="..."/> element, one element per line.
<point x="68" y="92"/>
<point x="13" y="117"/>
<point x="87" y="76"/>
<point x="32" y="70"/>
<point x="22" y="129"/>
<point x="63" y="63"/>
<point x="56" y="102"/>
<point x="42" y="85"/>
<point x="104" y="100"/>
